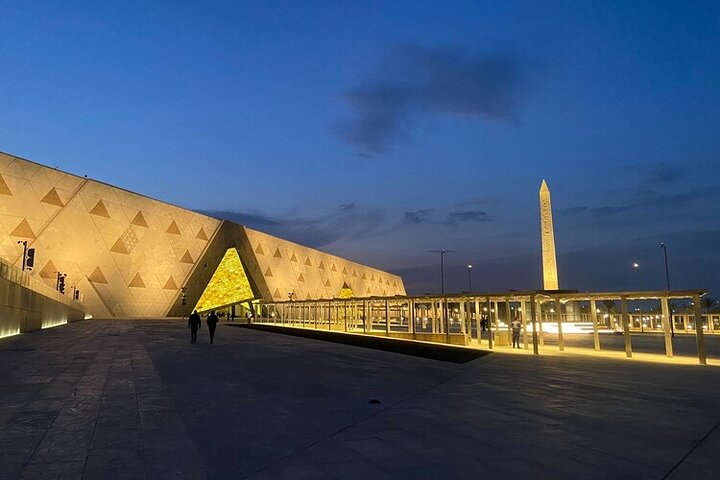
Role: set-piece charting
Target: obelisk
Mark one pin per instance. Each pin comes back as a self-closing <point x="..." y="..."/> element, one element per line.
<point x="550" y="275"/>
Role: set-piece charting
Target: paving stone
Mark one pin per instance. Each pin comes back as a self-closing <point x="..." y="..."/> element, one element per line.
<point x="133" y="399"/>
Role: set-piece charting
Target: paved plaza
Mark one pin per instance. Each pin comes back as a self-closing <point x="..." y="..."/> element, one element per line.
<point x="134" y="399"/>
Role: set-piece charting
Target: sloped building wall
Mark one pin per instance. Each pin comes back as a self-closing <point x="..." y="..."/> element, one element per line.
<point x="277" y="267"/>
<point x="130" y="255"/>
<point x="288" y="267"/>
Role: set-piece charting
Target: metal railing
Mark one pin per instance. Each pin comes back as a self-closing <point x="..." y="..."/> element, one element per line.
<point x="15" y="275"/>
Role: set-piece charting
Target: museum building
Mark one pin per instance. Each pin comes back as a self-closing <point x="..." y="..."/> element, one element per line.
<point x="123" y="254"/>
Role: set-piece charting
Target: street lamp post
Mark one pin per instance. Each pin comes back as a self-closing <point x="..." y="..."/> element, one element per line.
<point x="636" y="268"/>
<point x="469" y="267"/>
<point x="667" y="286"/>
<point x="442" y="253"/>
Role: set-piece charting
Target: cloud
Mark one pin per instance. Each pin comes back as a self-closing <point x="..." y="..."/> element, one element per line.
<point x="417" y="216"/>
<point x="573" y="210"/>
<point x="610" y="210"/>
<point x="454" y="217"/>
<point x="662" y="174"/>
<point x="251" y="219"/>
<point x="347" y="221"/>
<point x="463" y="216"/>
<point x="417" y="80"/>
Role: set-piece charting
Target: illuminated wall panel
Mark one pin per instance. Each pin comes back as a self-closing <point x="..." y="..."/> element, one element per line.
<point x="228" y="285"/>
<point x="131" y="255"/>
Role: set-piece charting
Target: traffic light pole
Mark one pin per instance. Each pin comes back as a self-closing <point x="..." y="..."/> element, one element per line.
<point x="60" y="283"/>
<point x="25" y="249"/>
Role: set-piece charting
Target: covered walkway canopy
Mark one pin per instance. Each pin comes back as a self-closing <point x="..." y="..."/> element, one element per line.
<point x="461" y="318"/>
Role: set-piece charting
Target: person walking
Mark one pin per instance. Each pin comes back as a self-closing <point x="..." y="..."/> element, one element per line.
<point x="193" y="324"/>
<point x="516" y="328"/>
<point x="212" y="321"/>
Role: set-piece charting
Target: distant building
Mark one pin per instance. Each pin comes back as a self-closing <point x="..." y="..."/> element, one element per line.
<point x="133" y="256"/>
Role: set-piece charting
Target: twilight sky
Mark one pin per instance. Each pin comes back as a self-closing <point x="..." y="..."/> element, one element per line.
<point x="381" y="130"/>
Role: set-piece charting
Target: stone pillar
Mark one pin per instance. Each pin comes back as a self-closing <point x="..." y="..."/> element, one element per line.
<point x="593" y="316"/>
<point x="432" y="313"/>
<point x="538" y="313"/>
<point x="441" y="316"/>
<point x="489" y="323"/>
<point x="700" y="339"/>
<point x="561" y="340"/>
<point x="387" y="316"/>
<point x="365" y="316"/>
<point x="508" y="318"/>
<point x="411" y="316"/>
<point x="625" y="318"/>
<point x="533" y="314"/>
<point x="478" y="314"/>
<point x="523" y="318"/>
<point x="462" y="318"/>
<point x="667" y="332"/>
<point x="495" y="313"/>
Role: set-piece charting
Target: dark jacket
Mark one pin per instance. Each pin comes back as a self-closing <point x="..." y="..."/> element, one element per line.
<point x="212" y="320"/>
<point x="194" y="321"/>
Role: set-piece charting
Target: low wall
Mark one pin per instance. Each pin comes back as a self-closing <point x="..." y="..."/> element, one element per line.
<point x="452" y="339"/>
<point x="446" y="353"/>
<point x="23" y="309"/>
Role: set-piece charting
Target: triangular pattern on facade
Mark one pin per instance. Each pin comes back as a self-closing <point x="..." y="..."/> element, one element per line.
<point x="119" y="247"/>
<point x="100" y="210"/>
<point x="97" y="276"/>
<point x="277" y="253"/>
<point x="173" y="229"/>
<point x="268" y="272"/>
<point x="308" y="262"/>
<point x="332" y="268"/>
<point x="321" y="266"/>
<point x="137" y="281"/>
<point x="52" y="198"/>
<point x="301" y="278"/>
<point x="259" y="250"/>
<point x="23" y="230"/>
<point x="49" y="270"/>
<point x="4" y="189"/>
<point x="187" y="258"/>
<point x="170" y="284"/>
<point x="293" y="258"/>
<point x="139" y="220"/>
<point x="201" y="235"/>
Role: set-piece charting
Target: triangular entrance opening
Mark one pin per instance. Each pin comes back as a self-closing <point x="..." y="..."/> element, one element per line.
<point x="346" y="291"/>
<point x="228" y="285"/>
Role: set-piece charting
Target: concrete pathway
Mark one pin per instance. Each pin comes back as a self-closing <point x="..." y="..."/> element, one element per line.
<point x="133" y="399"/>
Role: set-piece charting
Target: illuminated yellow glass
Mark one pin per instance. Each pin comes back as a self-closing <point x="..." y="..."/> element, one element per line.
<point x="228" y="285"/>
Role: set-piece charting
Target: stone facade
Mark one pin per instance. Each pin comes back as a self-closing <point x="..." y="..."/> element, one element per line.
<point x="131" y="255"/>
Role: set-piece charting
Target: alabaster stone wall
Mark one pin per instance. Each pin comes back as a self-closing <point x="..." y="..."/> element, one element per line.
<point x="130" y="255"/>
